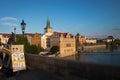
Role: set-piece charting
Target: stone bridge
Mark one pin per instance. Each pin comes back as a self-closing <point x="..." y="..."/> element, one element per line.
<point x="46" y="68"/>
<point x="63" y="69"/>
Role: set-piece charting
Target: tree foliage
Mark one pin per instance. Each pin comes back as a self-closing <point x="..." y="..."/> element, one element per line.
<point x="54" y="49"/>
<point x="114" y="44"/>
<point x="27" y="47"/>
<point x="23" y="40"/>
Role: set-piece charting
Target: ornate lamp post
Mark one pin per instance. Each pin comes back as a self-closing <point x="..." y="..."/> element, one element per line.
<point x="15" y="33"/>
<point x="23" y="25"/>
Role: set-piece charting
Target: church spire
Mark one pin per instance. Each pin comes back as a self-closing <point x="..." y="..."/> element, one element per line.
<point x="48" y="24"/>
<point x="48" y="28"/>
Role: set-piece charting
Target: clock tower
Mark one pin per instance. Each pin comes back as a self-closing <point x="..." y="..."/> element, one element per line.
<point x="48" y="28"/>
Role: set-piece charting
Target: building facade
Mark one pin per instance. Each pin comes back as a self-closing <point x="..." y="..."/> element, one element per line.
<point x="45" y="38"/>
<point x="80" y="40"/>
<point x="4" y="37"/>
<point x="109" y="39"/>
<point x="91" y="41"/>
<point x="36" y="39"/>
<point x="29" y="37"/>
<point x="66" y="43"/>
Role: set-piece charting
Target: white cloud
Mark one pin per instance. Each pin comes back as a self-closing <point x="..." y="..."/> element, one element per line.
<point x="8" y="18"/>
<point x="8" y="21"/>
<point x="9" y="24"/>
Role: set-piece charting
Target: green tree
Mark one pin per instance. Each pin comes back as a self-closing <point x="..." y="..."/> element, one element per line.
<point x="33" y="49"/>
<point x="27" y="47"/>
<point x="54" y="49"/>
<point x="40" y="49"/>
<point x="23" y="40"/>
<point x="114" y="44"/>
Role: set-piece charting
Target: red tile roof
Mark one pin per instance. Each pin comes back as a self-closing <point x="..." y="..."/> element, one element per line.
<point x="9" y="34"/>
<point x="82" y="36"/>
<point x="5" y="35"/>
<point x="64" y="34"/>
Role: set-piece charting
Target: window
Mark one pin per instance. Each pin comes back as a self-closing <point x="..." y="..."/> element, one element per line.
<point x="68" y="45"/>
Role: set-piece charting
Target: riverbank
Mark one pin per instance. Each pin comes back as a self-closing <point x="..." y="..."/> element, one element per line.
<point x="93" y="48"/>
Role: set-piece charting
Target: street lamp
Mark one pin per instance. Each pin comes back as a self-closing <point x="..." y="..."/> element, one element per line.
<point x="15" y="33"/>
<point x="23" y="25"/>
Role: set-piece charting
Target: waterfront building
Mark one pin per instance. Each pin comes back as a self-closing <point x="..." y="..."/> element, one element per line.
<point x="109" y="38"/>
<point x="91" y="41"/>
<point x="65" y="41"/>
<point x="45" y="38"/>
<point x="80" y="40"/>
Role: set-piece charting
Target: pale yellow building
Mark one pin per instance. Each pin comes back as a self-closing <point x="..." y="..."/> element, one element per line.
<point x="91" y="41"/>
<point x="4" y="37"/>
<point x="66" y="43"/>
<point x="45" y="39"/>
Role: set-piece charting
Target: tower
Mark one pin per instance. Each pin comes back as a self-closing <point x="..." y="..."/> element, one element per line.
<point x="45" y="39"/>
<point x="48" y="28"/>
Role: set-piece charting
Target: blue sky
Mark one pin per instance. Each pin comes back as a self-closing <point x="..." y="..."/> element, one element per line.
<point x="91" y="18"/>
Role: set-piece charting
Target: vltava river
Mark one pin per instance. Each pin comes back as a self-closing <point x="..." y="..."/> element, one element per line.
<point x="111" y="58"/>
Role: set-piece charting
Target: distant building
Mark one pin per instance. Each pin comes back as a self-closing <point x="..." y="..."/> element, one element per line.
<point x="65" y="41"/>
<point x="36" y="39"/>
<point x="91" y="41"/>
<point x="45" y="39"/>
<point x="109" y="39"/>
<point x="29" y="37"/>
<point x="80" y="40"/>
<point x="33" y="38"/>
<point x="4" y="37"/>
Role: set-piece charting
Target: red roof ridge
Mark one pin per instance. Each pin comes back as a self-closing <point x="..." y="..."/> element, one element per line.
<point x="64" y="34"/>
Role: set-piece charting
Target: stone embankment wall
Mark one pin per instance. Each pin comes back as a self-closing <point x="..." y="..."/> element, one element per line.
<point x="94" y="48"/>
<point x="73" y="70"/>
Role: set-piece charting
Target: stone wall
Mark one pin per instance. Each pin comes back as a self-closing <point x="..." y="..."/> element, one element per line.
<point x="73" y="70"/>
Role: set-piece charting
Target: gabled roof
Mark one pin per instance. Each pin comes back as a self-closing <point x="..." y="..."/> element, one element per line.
<point x="64" y="34"/>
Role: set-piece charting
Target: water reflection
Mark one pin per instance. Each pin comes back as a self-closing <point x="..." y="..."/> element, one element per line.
<point x="112" y="58"/>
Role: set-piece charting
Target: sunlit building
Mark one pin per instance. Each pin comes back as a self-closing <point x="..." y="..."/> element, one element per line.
<point x="66" y="43"/>
<point x="4" y="37"/>
<point x="91" y="41"/>
<point x="45" y="38"/>
<point x="80" y="40"/>
<point x="36" y="39"/>
<point x="109" y="39"/>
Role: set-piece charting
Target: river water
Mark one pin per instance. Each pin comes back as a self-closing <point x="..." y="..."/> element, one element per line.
<point x="111" y="58"/>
